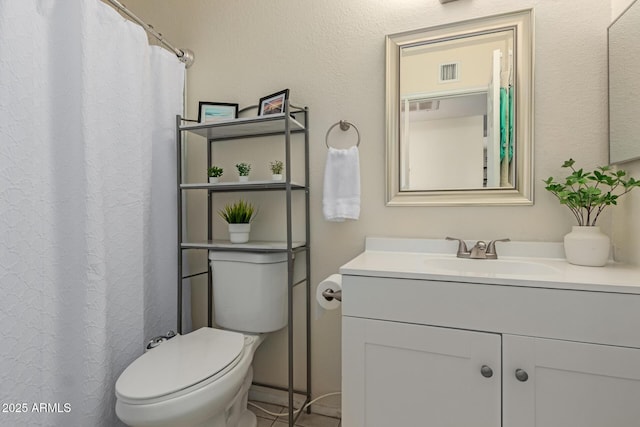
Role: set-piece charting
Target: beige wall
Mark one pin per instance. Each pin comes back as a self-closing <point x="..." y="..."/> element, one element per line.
<point x="420" y="70"/>
<point x="330" y="54"/>
<point x="618" y="6"/>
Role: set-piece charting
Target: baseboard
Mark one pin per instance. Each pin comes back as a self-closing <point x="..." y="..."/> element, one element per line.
<point x="279" y="397"/>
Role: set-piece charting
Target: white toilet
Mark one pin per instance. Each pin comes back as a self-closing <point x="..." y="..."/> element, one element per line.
<point x="202" y="379"/>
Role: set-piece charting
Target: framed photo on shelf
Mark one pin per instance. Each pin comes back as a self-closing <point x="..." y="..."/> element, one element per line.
<point x="211" y="112"/>
<point x="273" y="104"/>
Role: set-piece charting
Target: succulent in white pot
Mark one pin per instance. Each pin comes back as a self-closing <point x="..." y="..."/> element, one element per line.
<point x="243" y="171"/>
<point x="214" y="173"/>
<point x="276" y="170"/>
<point x="587" y="194"/>
<point x="238" y="216"/>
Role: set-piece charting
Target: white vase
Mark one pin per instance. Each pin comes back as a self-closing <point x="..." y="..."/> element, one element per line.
<point x="213" y="179"/>
<point x="587" y="245"/>
<point x="243" y="178"/>
<point x="276" y="177"/>
<point x="239" y="233"/>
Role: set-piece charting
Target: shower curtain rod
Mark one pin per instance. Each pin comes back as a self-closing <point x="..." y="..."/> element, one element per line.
<point x="184" y="55"/>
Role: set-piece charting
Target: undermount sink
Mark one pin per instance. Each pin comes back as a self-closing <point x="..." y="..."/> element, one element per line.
<point x="466" y="266"/>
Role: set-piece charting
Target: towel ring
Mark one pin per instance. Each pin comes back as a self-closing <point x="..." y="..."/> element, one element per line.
<point x="345" y="126"/>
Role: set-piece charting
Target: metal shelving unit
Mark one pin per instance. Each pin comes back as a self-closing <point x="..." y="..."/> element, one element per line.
<point x="293" y="121"/>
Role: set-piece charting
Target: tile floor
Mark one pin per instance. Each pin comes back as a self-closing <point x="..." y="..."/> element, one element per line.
<point x="305" y="420"/>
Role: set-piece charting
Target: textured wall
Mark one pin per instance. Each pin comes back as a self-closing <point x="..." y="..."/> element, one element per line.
<point x="331" y="55"/>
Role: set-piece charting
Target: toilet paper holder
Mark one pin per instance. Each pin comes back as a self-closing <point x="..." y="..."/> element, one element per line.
<point x="330" y="295"/>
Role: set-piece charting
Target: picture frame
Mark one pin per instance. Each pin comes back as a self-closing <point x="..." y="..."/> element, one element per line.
<point x="211" y="112"/>
<point x="273" y="104"/>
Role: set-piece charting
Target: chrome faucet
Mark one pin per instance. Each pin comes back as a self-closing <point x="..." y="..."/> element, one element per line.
<point x="481" y="250"/>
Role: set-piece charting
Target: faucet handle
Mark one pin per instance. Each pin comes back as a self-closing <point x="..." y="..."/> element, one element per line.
<point x="462" y="246"/>
<point x="491" y="249"/>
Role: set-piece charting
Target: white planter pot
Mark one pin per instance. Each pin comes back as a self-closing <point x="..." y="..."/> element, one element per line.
<point x="276" y="177"/>
<point x="243" y="178"/>
<point x="239" y="233"/>
<point x="214" y="179"/>
<point x="587" y="246"/>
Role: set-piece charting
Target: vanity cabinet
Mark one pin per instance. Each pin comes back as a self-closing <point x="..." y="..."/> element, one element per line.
<point x="416" y="352"/>
<point x="400" y="374"/>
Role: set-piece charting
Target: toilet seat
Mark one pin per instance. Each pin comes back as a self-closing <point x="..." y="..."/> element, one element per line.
<point x="180" y="365"/>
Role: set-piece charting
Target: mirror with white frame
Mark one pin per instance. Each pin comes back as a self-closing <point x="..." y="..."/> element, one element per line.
<point x="624" y="86"/>
<point x="459" y="113"/>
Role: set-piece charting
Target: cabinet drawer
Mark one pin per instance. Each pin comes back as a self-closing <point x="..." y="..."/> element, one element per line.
<point x="592" y="317"/>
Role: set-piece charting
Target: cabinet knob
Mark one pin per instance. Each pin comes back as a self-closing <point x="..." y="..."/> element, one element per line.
<point x="522" y="375"/>
<point x="486" y="371"/>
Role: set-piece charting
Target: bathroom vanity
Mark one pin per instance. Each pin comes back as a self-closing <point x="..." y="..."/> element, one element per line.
<point x="526" y="340"/>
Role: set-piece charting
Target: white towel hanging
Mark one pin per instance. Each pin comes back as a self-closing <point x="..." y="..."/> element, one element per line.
<point x="341" y="197"/>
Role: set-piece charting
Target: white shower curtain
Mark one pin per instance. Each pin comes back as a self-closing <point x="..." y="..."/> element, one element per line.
<point x="87" y="206"/>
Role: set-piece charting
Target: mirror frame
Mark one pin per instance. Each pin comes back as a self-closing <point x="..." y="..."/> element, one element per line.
<point x="615" y="156"/>
<point x="521" y="22"/>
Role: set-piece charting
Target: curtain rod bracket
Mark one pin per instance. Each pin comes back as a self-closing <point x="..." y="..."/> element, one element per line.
<point x="187" y="57"/>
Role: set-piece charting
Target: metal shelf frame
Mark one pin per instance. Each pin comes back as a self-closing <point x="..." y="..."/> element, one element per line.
<point x="286" y="125"/>
<point x="235" y="187"/>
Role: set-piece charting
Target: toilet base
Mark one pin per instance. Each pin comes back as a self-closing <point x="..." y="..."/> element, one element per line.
<point x="248" y="419"/>
<point x="237" y="413"/>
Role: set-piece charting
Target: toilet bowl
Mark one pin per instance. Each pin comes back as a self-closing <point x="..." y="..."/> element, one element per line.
<point x="202" y="379"/>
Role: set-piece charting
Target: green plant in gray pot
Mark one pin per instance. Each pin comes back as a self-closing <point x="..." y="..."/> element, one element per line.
<point x="587" y="194"/>
<point x="238" y="216"/>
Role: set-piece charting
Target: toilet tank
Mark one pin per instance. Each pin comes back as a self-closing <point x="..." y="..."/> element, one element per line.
<point x="250" y="290"/>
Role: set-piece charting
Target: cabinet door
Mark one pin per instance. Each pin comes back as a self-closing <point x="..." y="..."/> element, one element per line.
<point x="399" y="374"/>
<point x="570" y="384"/>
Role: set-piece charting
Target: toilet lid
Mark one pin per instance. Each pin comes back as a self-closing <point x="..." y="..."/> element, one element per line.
<point x="179" y="363"/>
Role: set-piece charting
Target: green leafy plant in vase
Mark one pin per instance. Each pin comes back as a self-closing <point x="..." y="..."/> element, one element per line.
<point x="214" y="173"/>
<point x="587" y="194"/>
<point x="243" y="171"/>
<point x="276" y="170"/>
<point x="239" y="216"/>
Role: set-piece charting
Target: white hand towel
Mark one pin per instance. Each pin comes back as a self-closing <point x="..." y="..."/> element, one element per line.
<point x="341" y="198"/>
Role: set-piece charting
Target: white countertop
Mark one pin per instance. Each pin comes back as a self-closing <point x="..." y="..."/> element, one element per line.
<point x="421" y="258"/>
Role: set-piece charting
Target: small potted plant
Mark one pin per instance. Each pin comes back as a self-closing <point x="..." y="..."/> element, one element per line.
<point x="587" y="194"/>
<point x="243" y="171"/>
<point x="214" y="173"/>
<point x="239" y="216"/>
<point x="276" y="170"/>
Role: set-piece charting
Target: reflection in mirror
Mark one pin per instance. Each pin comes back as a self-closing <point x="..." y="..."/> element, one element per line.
<point x="624" y="86"/>
<point x="459" y="113"/>
<point x="445" y="90"/>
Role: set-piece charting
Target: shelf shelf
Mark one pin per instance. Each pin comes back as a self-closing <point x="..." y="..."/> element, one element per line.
<point x="257" y="246"/>
<point x="283" y="126"/>
<point x="245" y="127"/>
<point x="242" y="186"/>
